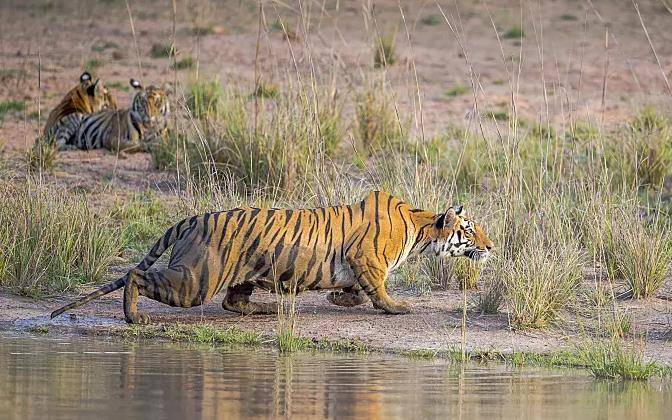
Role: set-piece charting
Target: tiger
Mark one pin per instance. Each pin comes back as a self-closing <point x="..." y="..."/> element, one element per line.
<point x="128" y="130"/>
<point x="351" y="249"/>
<point x="87" y="97"/>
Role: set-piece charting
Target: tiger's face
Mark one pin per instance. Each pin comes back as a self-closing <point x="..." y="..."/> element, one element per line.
<point x="458" y="236"/>
<point x="151" y="103"/>
<point x="98" y="95"/>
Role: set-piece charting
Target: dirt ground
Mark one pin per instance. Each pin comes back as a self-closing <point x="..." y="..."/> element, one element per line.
<point x="561" y="71"/>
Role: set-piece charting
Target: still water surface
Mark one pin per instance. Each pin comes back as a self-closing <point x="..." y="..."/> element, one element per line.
<point x="79" y="377"/>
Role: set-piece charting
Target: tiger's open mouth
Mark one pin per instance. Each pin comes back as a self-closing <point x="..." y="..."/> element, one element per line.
<point x="477" y="255"/>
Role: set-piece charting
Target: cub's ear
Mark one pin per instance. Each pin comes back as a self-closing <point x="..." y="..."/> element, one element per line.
<point x="135" y="84"/>
<point x="85" y="77"/>
<point x="91" y="90"/>
<point x="458" y="210"/>
<point x="447" y="218"/>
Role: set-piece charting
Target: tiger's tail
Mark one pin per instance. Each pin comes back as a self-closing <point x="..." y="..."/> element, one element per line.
<point x="159" y="248"/>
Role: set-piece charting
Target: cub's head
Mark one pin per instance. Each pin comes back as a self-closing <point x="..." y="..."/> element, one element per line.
<point x="97" y="95"/>
<point x="457" y="235"/>
<point x="151" y="103"/>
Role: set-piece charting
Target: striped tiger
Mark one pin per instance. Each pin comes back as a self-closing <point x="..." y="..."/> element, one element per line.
<point x="87" y="97"/>
<point x="128" y="130"/>
<point x="351" y="249"/>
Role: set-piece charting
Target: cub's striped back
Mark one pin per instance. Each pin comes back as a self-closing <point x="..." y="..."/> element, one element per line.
<point x="127" y="130"/>
<point x="87" y="97"/>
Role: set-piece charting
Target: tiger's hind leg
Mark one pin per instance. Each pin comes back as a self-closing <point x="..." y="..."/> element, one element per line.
<point x="174" y="287"/>
<point x="237" y="299"/>
<point x="348" y="296"/>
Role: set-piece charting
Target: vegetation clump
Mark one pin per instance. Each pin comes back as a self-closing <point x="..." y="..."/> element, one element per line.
<point x="53" y="241"/>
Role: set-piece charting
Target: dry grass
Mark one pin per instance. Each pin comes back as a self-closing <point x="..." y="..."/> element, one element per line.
<point x="53" y="241"/>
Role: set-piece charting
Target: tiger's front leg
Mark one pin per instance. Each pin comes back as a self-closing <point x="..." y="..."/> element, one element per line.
<point x="371" y="278"/>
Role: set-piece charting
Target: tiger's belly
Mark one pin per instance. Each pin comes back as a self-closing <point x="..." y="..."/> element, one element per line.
<point x="342" y="276"/>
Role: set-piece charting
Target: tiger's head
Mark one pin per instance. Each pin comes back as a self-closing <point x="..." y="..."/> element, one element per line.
<point x="96" y="96"/>
<point x="85" y="98"/>
<point x="151" y="104"/>
<point x="457" y="235"/>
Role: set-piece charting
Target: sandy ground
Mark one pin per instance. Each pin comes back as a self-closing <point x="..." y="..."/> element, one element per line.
<point x="566" y="73"/>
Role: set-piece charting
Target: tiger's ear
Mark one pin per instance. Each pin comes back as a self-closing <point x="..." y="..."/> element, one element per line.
<point x="91" y="90"/>
<point x="458" y="210"/>
<point x="447" y="218"/>
<point x="135" y="84"/>
<point x="85" y="77"/>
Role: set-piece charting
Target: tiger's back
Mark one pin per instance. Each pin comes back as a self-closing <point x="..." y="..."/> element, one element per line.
<point x="306" y="249"/>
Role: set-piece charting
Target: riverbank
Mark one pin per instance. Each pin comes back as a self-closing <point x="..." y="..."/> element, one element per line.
<point x="431" y="330"/>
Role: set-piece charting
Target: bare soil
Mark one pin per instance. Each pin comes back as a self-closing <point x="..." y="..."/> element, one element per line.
<point x="567" y="72"/>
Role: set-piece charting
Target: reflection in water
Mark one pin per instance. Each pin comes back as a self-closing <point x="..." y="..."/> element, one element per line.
<point x="79" y="377"/>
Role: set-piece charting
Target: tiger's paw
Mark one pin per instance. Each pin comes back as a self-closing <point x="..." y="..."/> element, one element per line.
<point x="138" y="318"/>
<point x="397" y="308"/>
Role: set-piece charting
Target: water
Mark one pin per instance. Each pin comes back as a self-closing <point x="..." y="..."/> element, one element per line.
<point x="79" y="377"/>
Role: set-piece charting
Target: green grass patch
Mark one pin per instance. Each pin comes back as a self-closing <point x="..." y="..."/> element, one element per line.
<point x="144" y="219"/>
<point x="419" y="354"/>
<point x="11" y="106"/>
<point x="458" y="90"/>
<point x="497" y="115"/>
<point x="287" y="342"/>
<point x="183" y="64"/>
<point x="101" y="45"/>
<point x="385" y="50"/>
<point x="39" y="329"/>
<point x="515" y="32"/>
<point x="93" y="64"/>
<point x="616" y="360"/>
<point x="119" y="85"/>
<point x="568" y="18"/>
<point x="431" y="20"/>
<point x="205" y="98"/>
<point x="196" y="333"/>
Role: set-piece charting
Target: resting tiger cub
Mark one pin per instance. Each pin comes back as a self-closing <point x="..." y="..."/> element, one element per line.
<point x="87" y="97"/>
<point x="351" y="249"/>
<point x="128" y="130"/>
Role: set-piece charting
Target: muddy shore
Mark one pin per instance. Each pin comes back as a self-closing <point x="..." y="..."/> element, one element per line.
<point x="433" y="324"/>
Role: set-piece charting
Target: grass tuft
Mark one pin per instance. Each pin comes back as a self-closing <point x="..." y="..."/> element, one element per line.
<point x="166" y="50"/>
<point x="515" y="32"/>
<point x="377" y="123"/>
<point x="616" y="360"/>
<point x="458" y="90"/>
<point x="53" y="241"/>
<point x="385" y="50"/>
<point x="539" y="282"/>
<point x="42" y="156"/>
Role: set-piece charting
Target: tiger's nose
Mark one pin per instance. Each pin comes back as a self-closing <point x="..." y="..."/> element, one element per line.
<point x="488" y="247"/>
